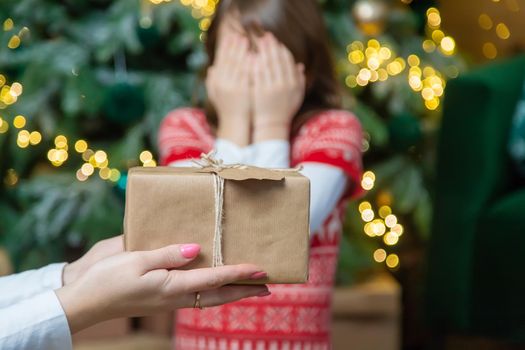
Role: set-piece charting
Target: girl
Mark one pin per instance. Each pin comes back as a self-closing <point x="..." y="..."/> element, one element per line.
<point x="272" y="102"/>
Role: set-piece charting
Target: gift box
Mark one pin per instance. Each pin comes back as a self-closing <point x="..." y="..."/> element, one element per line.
<point x="238" y="214"/>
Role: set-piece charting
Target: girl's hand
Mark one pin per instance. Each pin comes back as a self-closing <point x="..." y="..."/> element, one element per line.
<point x="278" y="90"/>
<point x="142" y="283"/>
<point x="227" y="84"/>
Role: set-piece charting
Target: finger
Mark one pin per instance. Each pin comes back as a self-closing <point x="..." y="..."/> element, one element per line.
<point x="239" y="59"/>
<point x="223" y="49"/>
<point x="276" y="65"/>
<point x="265" y="61"/>
<point x="169" y="257"/>
<point x="288" y="64"/>
<point x="211" y="278"/>
<point x="226" y="294"/>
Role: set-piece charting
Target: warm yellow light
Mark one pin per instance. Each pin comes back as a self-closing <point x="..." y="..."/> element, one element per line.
<point x="364" y="205"/>
<point x="150" y="164"/>
<point x="413" y="60"/>
<point x="104" y="173"/>
<point x="4" y="126"/>
<point x="19" y="122"/>
<point x="397" y="229"/>
<point x="14" y="42"/>
<point x="145" y="156"/>
<point x="100" y="157"/>
<point x="61" y="155"/>
<point x="23" y="136"/>
<point x="367" y="183"/>
<point x="485" y="21"/>
<point x="489" y="50"/>
<point x="35" y="137"/>
<point x="367" y="215"/>
<point x="86" y="156"/>
<point x="374" y="43"/>
<point x="384" y="211"/>
<point x="378" y="227"/>
<point x="373" y="63"/>
<point x="360" y="81"/>
<point x="379" y="255"/>
<point x="448" y="45"/>
<point x="8" y="24"/>
<point x="390" y="238"/>
<point x="392" y="261"/>
<point x="369" y="174"/>
<point x="502" y="31"/>
<point x="115" y="175"/>
<point x="356" y="56"/>
<point x="427" y="94"/>
<point x="437" y="36"/>
<point x="204" y="24"/>
<point x="391" y="220"/>
<point x="351" y="81"/>
<point x="368" y="229"/>
<point x="81" y="146"/>
<point x="382" y="74"/>
<point x="81" y="176"/>
<point x="385" y="53"/>
<point x="429" y="46"/>
<point x="16" y="89"/>
<point x="434" y="19"/>
<point x="61" y="141"/>
<point x="364" y="74"/>
<point x="432" y="104"/>
<point x="87" y="169"/>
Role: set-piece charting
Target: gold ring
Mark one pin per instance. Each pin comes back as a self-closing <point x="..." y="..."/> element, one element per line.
<point x="197" y="303"/>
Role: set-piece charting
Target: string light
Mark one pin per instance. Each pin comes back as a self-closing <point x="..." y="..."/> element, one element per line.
<point x="392" y="261"/>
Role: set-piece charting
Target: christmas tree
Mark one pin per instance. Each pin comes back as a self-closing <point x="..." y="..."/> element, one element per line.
<point x="84" y="86"/>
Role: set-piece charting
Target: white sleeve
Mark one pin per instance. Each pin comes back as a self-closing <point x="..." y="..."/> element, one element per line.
<point x="327" y="183"/>
<point x="24" y="285"/>
<point x="35" y="323"/>
<point x="268" y="154"/>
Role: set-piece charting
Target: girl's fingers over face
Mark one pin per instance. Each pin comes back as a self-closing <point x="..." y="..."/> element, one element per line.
<point x="276" y="65"/>
<point x="288" y="64"/>
<point x="222" y="49"/>
<point x="226" y="294"/>
<point x="265" y="60"/>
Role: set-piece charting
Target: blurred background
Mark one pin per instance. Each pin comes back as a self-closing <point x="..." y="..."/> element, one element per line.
<point x="432" y="254"/>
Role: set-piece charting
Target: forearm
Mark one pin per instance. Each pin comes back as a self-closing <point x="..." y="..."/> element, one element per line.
<point x="264" y="131"/>
<point x="235" y="129"/>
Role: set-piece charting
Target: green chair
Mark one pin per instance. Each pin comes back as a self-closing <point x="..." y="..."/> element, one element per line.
<point x="476" y="265"/>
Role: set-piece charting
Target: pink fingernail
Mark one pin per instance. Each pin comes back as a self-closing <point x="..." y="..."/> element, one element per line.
<point x="258" y="275"/>
<point x="264" y="293"/>
<point x="190" y="250"/>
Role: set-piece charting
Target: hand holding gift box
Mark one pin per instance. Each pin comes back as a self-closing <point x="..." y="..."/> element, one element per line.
<point x="237" y="213"/>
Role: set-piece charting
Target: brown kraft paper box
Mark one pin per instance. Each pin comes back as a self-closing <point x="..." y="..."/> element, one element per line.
<point x="265" y="216"/>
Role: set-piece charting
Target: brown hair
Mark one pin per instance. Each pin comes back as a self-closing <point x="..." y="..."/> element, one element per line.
<point x="299" y="25"/>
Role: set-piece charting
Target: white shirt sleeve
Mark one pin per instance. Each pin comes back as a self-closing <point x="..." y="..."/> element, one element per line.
<point x="38" y="322"/>
<point x="27" y="284"/>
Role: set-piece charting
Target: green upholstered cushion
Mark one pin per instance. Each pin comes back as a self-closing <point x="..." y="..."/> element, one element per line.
<point x="473" y="170"/>
<point x="498" y="284"/>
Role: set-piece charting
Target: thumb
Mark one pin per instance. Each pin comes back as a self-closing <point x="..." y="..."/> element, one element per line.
<point x="168" y="257"/>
